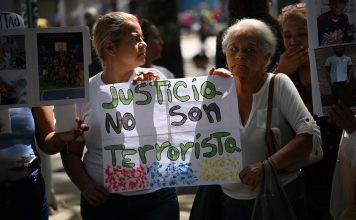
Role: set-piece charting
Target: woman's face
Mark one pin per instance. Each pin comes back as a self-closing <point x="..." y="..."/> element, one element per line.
<point x="244" y="56"/>
<point x="295" y="33"/>
<point x="154" y="44"/>
<point x="131" y="49"/>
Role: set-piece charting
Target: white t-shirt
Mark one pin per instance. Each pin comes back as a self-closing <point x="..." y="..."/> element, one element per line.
<point x="90" y="113"/>
<point x="287" y="105"/>
<point x="338" y="67"/>
<point x="168" y="74"/>
<point x="343" y="187"/>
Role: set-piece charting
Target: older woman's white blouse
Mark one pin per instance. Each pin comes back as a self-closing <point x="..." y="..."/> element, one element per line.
<point x="287" y="106"/>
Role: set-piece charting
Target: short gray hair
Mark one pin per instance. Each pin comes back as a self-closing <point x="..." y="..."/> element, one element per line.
<point x="267" y="42"/>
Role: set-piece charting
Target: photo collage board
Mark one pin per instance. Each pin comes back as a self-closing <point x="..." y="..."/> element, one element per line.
<point x="332" y="53"/>
<point x="44" y="66"/>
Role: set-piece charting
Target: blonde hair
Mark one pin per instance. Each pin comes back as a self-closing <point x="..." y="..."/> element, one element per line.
<point x="111" y="26"/>
<point x="292" y="12"/>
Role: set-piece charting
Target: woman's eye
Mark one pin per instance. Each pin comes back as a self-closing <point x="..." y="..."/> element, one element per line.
<point x="250" y="50"/>
<point x="232" y="49"/>
<point x="303" y="34"/>
<point x="137" y="39"/>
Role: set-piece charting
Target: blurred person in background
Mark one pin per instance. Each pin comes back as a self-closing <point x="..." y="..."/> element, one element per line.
<point x="201" y="61"/>
<point x="154" y="47"/>
<point x="343" y="194"/>
<point x="295" y="63"/>
<point x="90" y="16"/>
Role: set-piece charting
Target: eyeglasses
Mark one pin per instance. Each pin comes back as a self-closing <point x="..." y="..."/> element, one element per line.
<point x="298" y="5"/>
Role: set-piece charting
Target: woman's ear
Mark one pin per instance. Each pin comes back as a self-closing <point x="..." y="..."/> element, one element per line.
<point x="109" y="48"/>
<point x="267" y="57"/>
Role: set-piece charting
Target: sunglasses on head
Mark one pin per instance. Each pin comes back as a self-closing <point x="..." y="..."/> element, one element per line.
<point x="297" y="5"/>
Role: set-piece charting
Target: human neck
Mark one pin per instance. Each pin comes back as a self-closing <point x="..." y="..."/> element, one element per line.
<point x="251" y="85"/>
<point x="304" y="74"/>
<point x="110" y="76"/>
<point x="334" y="17"/>
<point x="147" y="64"/>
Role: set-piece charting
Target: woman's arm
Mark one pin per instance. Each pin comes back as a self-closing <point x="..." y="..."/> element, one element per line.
<point x="93" y="193"/>
<point x="47" y="139"/>
<point x="45" y="135"/>
<point x="293" y="152"/>
<point x="307" y="132"/>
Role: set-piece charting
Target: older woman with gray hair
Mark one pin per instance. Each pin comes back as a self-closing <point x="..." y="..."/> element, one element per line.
<point x="248" y="46"/>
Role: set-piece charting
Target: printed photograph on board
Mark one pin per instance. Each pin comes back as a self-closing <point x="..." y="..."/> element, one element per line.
<point x="61" y="66"/>
<point x="336" y="21"/>
<point x="336" y="68"/>
<point x="14" y="83"/>
<point x="12" y="52"/>
<point x="13" y="88"/>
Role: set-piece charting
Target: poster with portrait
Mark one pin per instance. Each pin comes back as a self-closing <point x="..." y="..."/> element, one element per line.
<point x="44" y="66"/>
<point x="336" y="75"/>
<point x="333" y="20"/>
<point x="332" y="38"/>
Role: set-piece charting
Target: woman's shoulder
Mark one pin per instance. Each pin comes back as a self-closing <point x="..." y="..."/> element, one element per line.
<point x="280" y="77"/>
<point x="282" y="82"/>
<point x="283" y="78"/>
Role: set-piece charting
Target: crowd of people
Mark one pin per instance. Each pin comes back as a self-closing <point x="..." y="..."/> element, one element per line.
<point x="256" y="50"/>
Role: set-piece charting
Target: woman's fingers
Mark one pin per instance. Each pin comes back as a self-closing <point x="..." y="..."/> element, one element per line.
<point x="95" y="194"/>
<point x="211" y="71"/>
<point x="251" y="175"/>
<point x="145" y="76"/>
<point x="220" y="72"/>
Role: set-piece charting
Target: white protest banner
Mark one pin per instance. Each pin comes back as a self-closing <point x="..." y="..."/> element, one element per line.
<point x="169" y="133"/>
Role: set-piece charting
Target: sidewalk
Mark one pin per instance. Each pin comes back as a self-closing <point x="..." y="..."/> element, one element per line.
<point x="68" y="196"/>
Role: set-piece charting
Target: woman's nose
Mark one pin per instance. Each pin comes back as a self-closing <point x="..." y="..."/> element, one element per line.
<point x="239" y="55"/>
<point x="294" y="41"/>
<point x="142" y="44"/>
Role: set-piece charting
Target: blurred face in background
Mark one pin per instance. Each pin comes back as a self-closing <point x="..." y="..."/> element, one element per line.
<point x="154" y="44"/>
<point x="295" y="33"/>
<point x="339" y="50"/>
